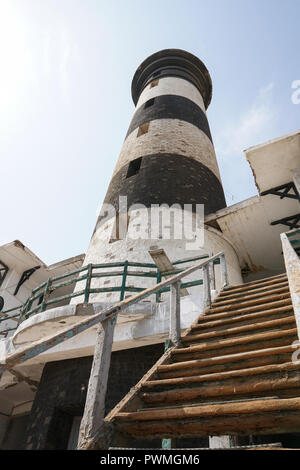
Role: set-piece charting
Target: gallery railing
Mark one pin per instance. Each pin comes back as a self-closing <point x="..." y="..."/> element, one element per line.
<point x="40" y="300"/>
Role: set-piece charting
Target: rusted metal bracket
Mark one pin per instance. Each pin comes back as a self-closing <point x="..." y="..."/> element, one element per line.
<point x="25" y="276"/>
<point x="293" y="221"/>
<point x="288" y="190"/>
<point x="3" y="271"/>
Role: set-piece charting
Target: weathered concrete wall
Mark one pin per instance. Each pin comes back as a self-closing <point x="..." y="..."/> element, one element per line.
<point x="279" y="156"/>
<point x="247" y="225"/>
<point x="101" y="251"/>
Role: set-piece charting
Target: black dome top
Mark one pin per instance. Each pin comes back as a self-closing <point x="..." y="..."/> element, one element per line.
<point x="172" y="63"/>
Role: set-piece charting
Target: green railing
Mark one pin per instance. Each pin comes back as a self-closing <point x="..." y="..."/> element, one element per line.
<point x="41" y="294"/>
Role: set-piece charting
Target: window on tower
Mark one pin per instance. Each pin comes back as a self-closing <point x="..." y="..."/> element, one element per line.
<point x="134" y="167"/>
<point x="149" y="103"/>
<point x="154" y="83"/>
<point x="143" y="129"/>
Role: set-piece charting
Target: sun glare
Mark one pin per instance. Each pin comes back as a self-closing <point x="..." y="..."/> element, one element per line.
<point x="16" y="61"/>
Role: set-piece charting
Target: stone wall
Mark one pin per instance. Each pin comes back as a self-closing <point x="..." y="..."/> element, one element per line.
<point x="62" y="392"/>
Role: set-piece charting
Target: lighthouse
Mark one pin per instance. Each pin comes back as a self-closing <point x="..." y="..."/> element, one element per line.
<point x="168" y="155"/>
<point x="166" y="179"/>
<point x="163" y="212"/>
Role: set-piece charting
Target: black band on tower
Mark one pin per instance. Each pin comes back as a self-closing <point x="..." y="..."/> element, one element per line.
<point x="170" y="107"/>
<point x="166" y="179"/>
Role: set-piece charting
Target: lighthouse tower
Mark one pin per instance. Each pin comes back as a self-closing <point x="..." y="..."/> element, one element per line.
<point x="168" y="154"/>
<point x="167" y="160"/>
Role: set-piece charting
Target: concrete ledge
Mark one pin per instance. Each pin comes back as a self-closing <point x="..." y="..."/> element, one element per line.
<point x="47" y="323"/>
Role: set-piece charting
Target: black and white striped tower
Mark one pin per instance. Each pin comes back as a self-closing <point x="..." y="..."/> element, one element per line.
<point x="168" y="157"/>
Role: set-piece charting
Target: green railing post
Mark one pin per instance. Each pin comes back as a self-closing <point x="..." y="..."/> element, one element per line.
<point x="122" y="293"/>
<point x="45" y="296"/>
<point x="88" y="283"/>
<point x="24" y="310"/>
<point x="28" y="306"/>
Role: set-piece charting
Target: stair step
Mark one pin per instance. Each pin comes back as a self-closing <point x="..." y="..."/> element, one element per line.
<point x="256" y="308"/>
<point x="285" y="388"/>
<point x="271" y="325"/>
<point x="246" y="319"/>
<point x="251" y="303"/>
<point x="236" y="345"/>
<point x="257" y="281"/>
<point x="219" y="302"/>
<point x="239" y="314"/>
<point x="225" y="367"/>
<point x="235" y="341"/>
<point x="228" y="375"/>
<point x="225" y="295"/>
<point x="250" y="358"/>
<point x="252" y="287"/>
<point x="272" y="416"/>
<point x="203" y="409"/>
<point x="223" y="402"/>
<point x="281" y="379"/>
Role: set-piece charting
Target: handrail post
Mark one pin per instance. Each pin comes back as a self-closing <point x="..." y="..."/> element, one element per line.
<point x="206" y="286"/>
<point x="175" y="312"/>
<point x="212" y="274"/>
<point x="122" y="293"/>
<point x="158" y="280"/>
<point x="23" y="311"/>
<point x="292" y="266"/>
<point x="88" y="283"/>
<point x="94" y="411"/>
<point x="224" y="274"/>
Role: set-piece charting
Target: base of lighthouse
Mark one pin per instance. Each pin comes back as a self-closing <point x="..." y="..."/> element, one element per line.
<point x="170" y="230"/>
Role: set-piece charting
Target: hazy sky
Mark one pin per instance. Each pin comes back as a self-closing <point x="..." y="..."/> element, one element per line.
<point x="65" y="101"/>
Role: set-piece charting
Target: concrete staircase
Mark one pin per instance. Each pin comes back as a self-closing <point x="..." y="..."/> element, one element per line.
<point x="231" y="374"/>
